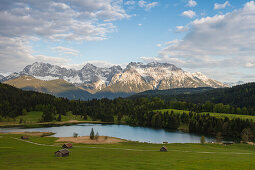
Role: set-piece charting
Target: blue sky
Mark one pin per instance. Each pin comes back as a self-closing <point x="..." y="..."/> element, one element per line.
<point x="214" y="37"/>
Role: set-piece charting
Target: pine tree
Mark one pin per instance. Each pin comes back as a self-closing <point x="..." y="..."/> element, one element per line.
<point x="97" y="136"/>
<point x="92" y="134"/>
<point x="59" y="117"/>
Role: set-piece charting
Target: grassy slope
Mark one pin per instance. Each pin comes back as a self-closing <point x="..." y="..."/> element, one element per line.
<point x="58" y="87"/>
<point x="219" y="115"/>
<point x="35" y="117"/>
<point x="21" y="155"/>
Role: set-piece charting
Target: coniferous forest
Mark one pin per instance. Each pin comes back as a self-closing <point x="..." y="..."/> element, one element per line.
<point x="141" y="111"/>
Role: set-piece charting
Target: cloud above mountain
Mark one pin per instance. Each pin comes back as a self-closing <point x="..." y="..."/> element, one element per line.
<point x="220" y="41"/>
<point x="22" y="21"/>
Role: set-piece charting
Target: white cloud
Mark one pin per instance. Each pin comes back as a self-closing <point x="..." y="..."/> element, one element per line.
<point x="151" y="5"/>
<point x="189" y="13"/>
<point x="192" y="3"/>
<point x="159" y="45"/>
<point x="222" y="42"/>
<point x="142" y="3"/>
<point x="65" y="50"/>
<point x="59" y="21"/>
<point x="16" y="53"/>
<point x="130" y="3"/>
<point x="51" y="59"/>
<point x="250" y="64"/>
<point x="221" y="6"/>
<point x="22" y="21"/>
<point x="140" y="25"/>
<point x="181" y="29"/>
<point x="146" y="5"/>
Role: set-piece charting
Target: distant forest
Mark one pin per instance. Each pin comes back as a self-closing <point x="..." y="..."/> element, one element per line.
<point x="240" y="96"/>
<point x="141" y="111"/>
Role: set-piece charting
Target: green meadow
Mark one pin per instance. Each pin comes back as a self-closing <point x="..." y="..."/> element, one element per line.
<point x="34" y="117"/>
<point x="218" y="115"/>
<point x="18" y="154"/>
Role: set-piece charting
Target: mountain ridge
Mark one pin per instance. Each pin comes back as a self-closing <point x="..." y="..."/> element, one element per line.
<point x="134" y="78"/>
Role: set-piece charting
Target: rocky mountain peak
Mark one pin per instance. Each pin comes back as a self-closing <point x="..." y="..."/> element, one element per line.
<point x="152" y="65"/>
<point x="44" y="69"/>
<point x="89" y="66"/>
<point x="136" y="77"/>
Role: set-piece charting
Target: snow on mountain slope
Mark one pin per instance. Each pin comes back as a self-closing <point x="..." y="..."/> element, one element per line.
<point x="136" y="77"/>
<point x="231" y="84"/>
<point x="166" y="76"/>
<point x="1" y="77"/>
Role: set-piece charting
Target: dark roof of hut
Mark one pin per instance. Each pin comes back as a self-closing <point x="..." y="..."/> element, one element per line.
<point x="164" y="147"/>
<point x="24" y="137"/>
<point x="63" y="151"/>
<point x="69" y="145"/>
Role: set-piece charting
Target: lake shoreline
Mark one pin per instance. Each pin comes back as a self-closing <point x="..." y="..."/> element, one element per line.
<point x="49" y="124"/>
<point x="146" y="134"/>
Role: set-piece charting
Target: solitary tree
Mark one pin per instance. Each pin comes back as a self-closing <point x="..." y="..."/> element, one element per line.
<point x="75" y="134"/>
<point x="92" y="134"/>
<point x="97" y="136"/>
<point x="202" y="140"/>
<point x="218" y="137"/>
<point x="47" y="115"/>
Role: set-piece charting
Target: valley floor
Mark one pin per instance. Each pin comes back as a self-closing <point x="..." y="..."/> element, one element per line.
<point x="38" y="153"/>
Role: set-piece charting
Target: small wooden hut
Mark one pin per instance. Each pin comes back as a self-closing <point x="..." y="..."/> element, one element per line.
<point x="24" y="137"/>
<point x="62" y="153"/>
<point x="67" y="145"/>
<point x="227" y="143"/>
<point x="163" y="149"/>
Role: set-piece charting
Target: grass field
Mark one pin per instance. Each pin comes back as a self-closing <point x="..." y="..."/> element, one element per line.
<point x="218" y="115"/>
<point x="17" y="154"/>
<point x="34" y="117"/>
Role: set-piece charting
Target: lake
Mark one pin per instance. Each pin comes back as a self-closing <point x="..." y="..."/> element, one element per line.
<point x="141" y="134"/>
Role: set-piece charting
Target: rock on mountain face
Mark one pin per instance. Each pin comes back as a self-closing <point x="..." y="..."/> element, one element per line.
<point x="140" y="77"/>
<point x="89" y="77"/>
<point x="1" y="77"/>
<point x="96" y="78"/>
<point x="136" y="77"/>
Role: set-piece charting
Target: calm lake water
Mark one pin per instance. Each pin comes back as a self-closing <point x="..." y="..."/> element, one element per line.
<point x="140" y="134"/>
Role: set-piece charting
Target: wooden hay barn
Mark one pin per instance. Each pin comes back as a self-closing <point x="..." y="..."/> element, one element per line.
<point x="228" y="143"/>
<point x="163" y="149"/>
<point x="24" y="137"/>
<point x="67" y="145"/>
<point x="62" y="153"/>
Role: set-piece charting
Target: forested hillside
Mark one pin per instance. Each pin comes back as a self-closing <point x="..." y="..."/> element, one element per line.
<point x="137" y="112"/>
<point x="170" y="92"/>
<point x="241" y="95"/>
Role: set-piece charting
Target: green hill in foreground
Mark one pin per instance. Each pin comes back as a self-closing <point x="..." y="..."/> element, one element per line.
<point x="18" y="154"/>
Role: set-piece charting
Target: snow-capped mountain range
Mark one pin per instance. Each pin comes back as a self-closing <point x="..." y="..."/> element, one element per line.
<point x="136" y="77"/>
